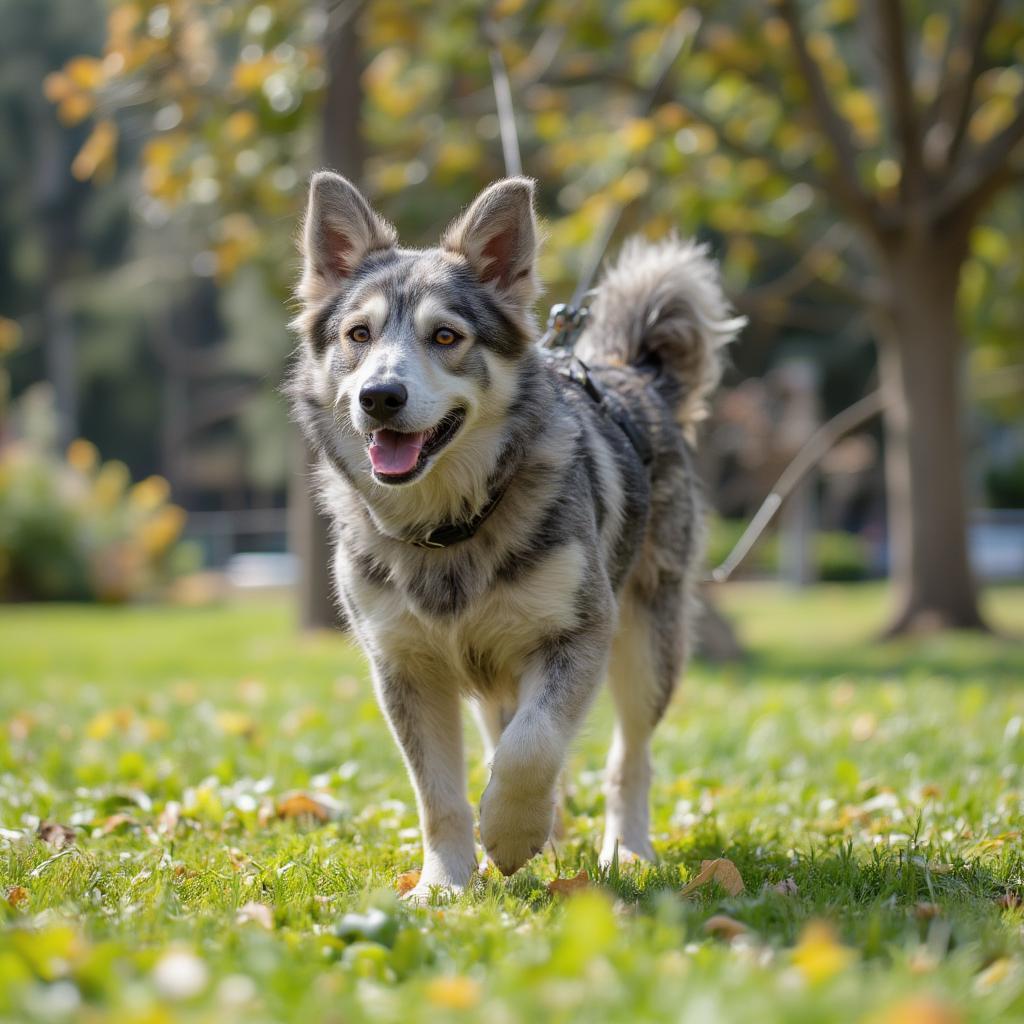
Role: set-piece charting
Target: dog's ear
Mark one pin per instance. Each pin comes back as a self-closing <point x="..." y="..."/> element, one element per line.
<point x="340" y="230"/>
<point x="498" y="237"/>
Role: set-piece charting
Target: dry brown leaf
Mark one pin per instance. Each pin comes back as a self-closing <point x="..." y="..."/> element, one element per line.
<point x="256" y="913"/>
<point x="406" y="882"/>
<point x="787" y="887"/>
<point x="115" y="821"/>
<point x="56" y="835"/>
<point x="724" y="927"/>
<point x="567" y="886"/>
<point x="301" y="805"/>
<point x="720" y="870"/>
<point x="17" y="895"/>
<point x="925" y="911"/>
<point x="1009" y="901"/>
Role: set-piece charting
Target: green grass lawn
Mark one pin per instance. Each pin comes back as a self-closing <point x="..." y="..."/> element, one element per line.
<point x="871" y="798"/>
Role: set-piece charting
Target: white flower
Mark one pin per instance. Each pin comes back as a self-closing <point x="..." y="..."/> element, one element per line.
<point x="180" y="975"/>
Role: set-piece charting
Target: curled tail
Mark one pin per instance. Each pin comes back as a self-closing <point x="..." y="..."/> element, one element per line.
<point x="661" y="304"/>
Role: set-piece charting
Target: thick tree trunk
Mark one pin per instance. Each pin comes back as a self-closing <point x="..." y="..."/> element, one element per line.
<point x="341" y="149"/>
<point x="921" y="360"/>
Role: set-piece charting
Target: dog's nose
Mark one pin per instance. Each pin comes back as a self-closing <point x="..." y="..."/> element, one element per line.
<point x="382" y="401"/>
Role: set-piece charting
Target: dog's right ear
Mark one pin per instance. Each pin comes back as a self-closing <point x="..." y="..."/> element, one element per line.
<point x="340" y="230"/>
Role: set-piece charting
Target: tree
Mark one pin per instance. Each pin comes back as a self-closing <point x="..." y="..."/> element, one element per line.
<point x="862" y="143"/>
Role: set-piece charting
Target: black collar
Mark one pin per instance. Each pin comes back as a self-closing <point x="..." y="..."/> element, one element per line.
<point x="447" y="534"/>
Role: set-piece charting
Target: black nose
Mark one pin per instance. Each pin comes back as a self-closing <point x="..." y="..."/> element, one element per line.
<point x="382" y="401"/>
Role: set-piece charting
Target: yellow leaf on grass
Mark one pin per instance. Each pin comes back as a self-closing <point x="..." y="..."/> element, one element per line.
<point x="819" y="954"/>
<point x="406" y="882"/>
<point x="456" y="992"/>
<point x="919" y="1010"/>
<point x="725" y="927"/>
<point x="299" y="805"/>
<point x="16" y="895"/>
<point x="567" y="886"/>
<point x="721" y="871"/>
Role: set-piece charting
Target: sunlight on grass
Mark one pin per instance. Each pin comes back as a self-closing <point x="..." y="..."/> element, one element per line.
<point x="236" y="816"/>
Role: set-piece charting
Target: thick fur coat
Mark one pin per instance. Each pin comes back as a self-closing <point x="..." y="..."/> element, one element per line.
<point x="420" y="385"/>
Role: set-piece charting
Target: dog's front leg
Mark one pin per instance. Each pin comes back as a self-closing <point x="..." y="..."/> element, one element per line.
<point x="517" y="809"/>
<point x="425" y="719"/>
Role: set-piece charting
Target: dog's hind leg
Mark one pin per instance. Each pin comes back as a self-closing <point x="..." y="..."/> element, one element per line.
<point x="646" y="659"/>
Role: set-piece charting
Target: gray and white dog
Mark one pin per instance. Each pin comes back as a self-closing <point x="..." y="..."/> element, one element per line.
<point x="510" y="527"/>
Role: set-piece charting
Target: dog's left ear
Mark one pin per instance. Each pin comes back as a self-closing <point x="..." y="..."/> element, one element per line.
<point x="498" y="237"/>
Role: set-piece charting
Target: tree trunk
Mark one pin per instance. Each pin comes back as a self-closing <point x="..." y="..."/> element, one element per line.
<point x="921" y="362"/>
<point x="341" y="149"/>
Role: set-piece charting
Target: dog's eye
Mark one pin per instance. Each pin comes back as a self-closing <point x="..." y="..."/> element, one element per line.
<point x="360" y="334"/>
<point x="445" y="336"/>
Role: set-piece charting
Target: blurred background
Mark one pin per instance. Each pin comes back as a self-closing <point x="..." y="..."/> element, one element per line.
<point x="859" y="174"/>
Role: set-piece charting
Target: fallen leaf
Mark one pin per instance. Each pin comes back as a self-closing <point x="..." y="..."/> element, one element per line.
<point x="406" y="882"/>
<point x="919" y="1010"/>
<point x="1009" y="900"/>
<point x="115" y="821"/>
<point x="256" y="913"/>
<point x="997" y="971"/>
<point x="17" y="895"/>
<point x="787" y="887"/>
<point x="725" y="927"/>
<point x="301" y="805"/>
<point x="456" y="992"/>
<point x="722" y="871"/>
<point x="819" y="954"/>
<point x="56" y="835"/>
<point x="567" y="886"/>
<point x="925" y="911"/>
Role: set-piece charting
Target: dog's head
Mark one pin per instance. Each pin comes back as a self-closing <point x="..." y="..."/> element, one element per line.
<point x="414" y="350"/>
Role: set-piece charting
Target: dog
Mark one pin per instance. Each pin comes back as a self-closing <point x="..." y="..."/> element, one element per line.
<point x="509" y="526"/>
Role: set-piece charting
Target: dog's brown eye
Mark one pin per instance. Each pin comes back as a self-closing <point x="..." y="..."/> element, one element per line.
<point x="360" y="334"/>
<point x="445" y="336"/>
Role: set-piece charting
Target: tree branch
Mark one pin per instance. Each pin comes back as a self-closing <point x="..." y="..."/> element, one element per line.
<point x="843" y="178"/>
<point x="962" y="66"/>
<point x="888" y="17"/>
<point x="978" y="179"/>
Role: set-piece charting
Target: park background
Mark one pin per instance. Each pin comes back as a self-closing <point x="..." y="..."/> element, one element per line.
<point x="856" y="167"/>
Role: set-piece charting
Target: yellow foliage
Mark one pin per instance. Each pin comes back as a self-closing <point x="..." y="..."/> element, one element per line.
<point x="57" y="87"/>
<point x="111" y="482"/>
<point x="84" y="72"/>
<point x="162" y="530"/>
<point x="240" y="125"/>
<point x="149" y="493"/>
<point x="635" y="182"/>
<point x="75" y="108"/>
<point x="819" y="955"/>
<point x="991" y="118"/>
<point x="96" y="157"/>
<point x="454" y="992"/>
<point x="858" y="107"/>
<point x="10" y="335"/>
<point x="637" y="134"/>
<point x="887" y="173"/>
<point x="82" y="455"/>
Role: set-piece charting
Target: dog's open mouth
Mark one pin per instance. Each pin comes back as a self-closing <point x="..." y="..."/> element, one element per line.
<point x="397" y="456"/>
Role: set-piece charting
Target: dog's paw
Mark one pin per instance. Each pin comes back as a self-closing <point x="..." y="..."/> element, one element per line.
<point x="425" y="894"/>
<point x="514" y="827"/>
<point x="637" y="848"/>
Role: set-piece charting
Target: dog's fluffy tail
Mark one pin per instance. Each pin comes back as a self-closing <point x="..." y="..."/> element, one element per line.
<point x="661" y="304"/>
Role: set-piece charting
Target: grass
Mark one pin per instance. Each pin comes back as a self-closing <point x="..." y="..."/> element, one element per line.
<point x="870" y="796"/>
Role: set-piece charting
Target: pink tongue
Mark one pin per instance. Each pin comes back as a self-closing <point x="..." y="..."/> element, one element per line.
<point x="392" y="453"/>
